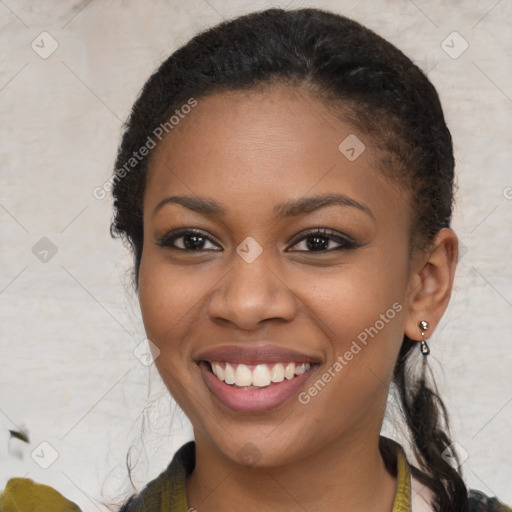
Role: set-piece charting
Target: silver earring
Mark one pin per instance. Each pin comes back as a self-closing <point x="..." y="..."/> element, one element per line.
<point x="423" y="325"/>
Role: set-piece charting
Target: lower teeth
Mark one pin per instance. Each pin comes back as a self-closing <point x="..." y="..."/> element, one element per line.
<point x="258" y="387"/>
<point x="251" y="387"/>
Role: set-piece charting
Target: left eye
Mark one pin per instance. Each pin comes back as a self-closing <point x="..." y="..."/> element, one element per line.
<point x="320" y="240"/>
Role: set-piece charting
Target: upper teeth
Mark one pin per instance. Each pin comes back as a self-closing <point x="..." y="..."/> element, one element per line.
<point x="261" y="375"/>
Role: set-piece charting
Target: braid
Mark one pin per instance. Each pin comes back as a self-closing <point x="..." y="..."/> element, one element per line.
<point x="425" y="414"/>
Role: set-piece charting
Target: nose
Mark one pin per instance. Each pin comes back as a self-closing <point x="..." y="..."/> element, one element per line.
<point x="251" y="293"/>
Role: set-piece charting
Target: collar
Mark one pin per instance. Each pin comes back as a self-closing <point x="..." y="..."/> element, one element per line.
<point x="167" y="492"/>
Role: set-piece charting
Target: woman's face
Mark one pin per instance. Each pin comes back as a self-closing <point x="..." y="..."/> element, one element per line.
<point x="255" y="289"/>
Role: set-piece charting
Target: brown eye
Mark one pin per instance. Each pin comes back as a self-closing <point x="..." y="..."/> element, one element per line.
<point x="191" y="240"/>
<point x="322" y="240"/>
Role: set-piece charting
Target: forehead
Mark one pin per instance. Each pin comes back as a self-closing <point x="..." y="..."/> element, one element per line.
<point x="259" y="147"/>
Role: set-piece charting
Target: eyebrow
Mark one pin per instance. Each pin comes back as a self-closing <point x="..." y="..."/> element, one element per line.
<point x="291" y="208"/>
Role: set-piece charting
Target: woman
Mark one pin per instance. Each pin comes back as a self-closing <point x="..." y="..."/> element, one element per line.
<point x="292" y="256"/>
<point x="285" y="182"/>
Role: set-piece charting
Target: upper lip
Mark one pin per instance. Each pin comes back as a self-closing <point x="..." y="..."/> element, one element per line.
<point x="252" y="355"/>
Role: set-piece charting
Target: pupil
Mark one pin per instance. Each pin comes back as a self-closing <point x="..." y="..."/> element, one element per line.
<point x="197" y="241"/>
<point x="319" y="243"/>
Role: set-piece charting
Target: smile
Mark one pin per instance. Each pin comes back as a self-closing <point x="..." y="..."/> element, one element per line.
<point x="255" y="377"/>
<point x="245" y="388"/>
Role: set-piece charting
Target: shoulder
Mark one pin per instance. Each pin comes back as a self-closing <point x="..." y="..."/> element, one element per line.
<point x="25" y="495"/>
<point x="479" y="502"/>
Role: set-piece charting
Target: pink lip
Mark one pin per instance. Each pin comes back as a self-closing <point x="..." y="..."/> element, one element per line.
<point x="255" y="354"/>
<point x="253" y="400"/>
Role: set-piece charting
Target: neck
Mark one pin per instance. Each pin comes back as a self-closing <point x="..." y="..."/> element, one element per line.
<point x="336" y="478"/>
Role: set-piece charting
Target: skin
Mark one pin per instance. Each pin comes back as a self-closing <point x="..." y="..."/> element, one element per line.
<point x="250" y="151"/>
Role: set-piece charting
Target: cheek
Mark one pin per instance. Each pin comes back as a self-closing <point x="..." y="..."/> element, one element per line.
<point x="354" y="297"/>
<point x="360" y="309"/>
<point x="168" y="297"/>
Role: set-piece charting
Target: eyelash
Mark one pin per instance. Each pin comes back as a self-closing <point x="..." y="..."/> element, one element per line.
<point x="346" y="243"/>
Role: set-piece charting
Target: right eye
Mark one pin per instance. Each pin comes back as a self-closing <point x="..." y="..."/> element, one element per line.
<point x="191" y="240"/>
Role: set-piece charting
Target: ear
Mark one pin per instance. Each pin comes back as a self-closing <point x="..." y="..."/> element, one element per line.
<point x="430" y="283"/>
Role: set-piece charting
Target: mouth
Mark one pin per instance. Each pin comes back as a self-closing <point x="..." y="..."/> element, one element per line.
<point x="255" y="388"/>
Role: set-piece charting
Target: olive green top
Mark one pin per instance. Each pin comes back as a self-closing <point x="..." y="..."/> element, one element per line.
<point x="167" y="492"/>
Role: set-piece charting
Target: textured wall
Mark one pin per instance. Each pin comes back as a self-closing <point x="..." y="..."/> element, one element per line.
<point x="69" y="323"/>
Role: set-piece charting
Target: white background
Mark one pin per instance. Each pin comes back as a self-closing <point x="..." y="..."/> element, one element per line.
<point x="68" y="326"/>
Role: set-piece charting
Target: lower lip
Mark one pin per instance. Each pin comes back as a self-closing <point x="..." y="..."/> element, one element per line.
<point x="253" y="400"/>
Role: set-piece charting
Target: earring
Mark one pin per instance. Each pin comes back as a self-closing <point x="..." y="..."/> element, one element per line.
<point x="423" y="325"/>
